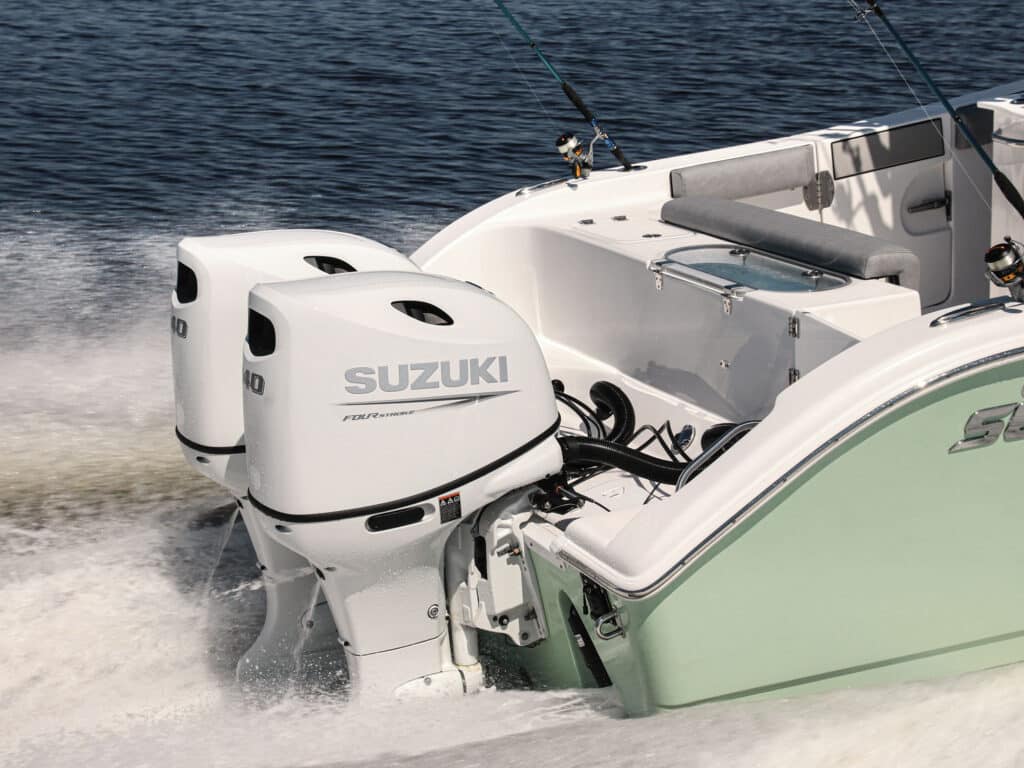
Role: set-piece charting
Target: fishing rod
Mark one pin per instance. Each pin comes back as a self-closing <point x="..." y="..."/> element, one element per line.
<point x="1004" y="262"/>
<point x="567" y="144"/>
<point x="1009" y="191"/>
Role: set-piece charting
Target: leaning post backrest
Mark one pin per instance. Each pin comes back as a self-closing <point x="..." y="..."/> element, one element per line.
<point x="793" y="237"/>
<point x="777" y="170"/>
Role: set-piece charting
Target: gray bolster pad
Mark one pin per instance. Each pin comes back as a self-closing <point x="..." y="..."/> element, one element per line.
<point x="746" y="176"/>
<point x="810" y="242"/>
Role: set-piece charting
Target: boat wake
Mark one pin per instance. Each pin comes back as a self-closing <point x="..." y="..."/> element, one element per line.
<point x="86" y="423"/>
<point x="116" y="654"/>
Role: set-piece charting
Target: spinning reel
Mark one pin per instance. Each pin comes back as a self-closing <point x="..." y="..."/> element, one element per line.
<point x="571" y="150"/>
<point x="1004" y="264"/>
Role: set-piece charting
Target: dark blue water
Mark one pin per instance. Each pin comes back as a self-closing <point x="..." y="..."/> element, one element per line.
<point x="391" y="118"/>
<point x="138" y="120"/>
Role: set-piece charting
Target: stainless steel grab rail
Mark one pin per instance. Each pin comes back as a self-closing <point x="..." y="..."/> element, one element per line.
<point x="665" y="267"/>
<point x="977" y="308"/>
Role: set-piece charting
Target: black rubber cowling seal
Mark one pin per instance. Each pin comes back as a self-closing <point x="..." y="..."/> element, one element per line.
<point x="613" y="400"/>
<point x="213" y="450"/>
<point x="587" y="451"/>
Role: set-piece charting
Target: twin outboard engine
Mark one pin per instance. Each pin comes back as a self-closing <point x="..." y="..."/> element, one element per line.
<point x="208" y="323"/>
<point x="381" y="410"/>
<point x="387" y="435"/>
<point x="208" y="326"/>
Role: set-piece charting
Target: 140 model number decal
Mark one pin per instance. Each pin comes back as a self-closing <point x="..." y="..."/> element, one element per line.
<point x="985" y="426"/>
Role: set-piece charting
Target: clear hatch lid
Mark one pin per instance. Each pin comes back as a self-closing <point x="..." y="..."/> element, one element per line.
<point x="760" y="271"/>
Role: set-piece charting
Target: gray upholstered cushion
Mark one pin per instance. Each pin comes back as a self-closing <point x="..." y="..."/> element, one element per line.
<point x="746" y="176"/>
<point x="811" y="242"/>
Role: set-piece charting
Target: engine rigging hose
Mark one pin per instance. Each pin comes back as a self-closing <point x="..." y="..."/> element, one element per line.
<point x="588" y="451"/>
<point x="612" y="401"/>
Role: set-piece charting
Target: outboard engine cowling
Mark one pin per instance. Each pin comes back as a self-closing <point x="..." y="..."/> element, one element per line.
<point x="380" y="410"/>
<point x="208" y="327"/>
<point x="208" y="324"/>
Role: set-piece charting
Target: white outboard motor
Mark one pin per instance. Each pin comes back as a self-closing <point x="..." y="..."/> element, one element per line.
<point x="208" y="317"/>
<point x="380" y="411"/>
<point x="208" y="325"/>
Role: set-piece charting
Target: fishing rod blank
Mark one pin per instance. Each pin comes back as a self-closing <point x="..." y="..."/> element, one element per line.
<point x="1005" y="185"/>
<point x="569" y="91"/>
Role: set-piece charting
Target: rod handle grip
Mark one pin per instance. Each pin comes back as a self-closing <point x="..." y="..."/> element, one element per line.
<point x="621" y="157"/>
<point x="578" y="102"/>
<point x="1010" y="192"/>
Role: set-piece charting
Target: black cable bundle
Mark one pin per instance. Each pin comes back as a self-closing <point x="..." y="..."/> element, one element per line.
<point x="604" y="447"/>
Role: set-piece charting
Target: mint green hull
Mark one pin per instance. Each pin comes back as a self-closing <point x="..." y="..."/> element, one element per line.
<point x="890" y="559"/>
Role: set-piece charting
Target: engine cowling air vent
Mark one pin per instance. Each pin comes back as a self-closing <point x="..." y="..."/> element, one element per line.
<point x="187" y="286"/>
<point x="330" y="264"/>
<point x="261" y="337"/>
<point x="424" y="312"/>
